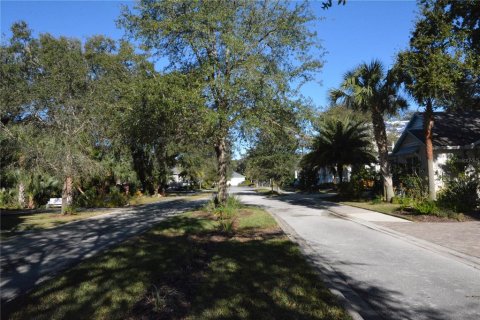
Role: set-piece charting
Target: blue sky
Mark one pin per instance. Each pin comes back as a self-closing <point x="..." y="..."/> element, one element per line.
<point x="359" y="31"/>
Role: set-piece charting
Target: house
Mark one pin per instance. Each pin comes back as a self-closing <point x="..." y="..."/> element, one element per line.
<point x="326" y="175"/>
<point x="454" y="134"/>
<point x="236" y="179"/>
<point x="176" y="179"/>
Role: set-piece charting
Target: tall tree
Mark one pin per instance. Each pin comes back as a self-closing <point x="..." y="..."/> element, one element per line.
<point x="159" y="118"/>
<point x="340" y="143"/>
<point x="369" y="89"/>
<point x="441" y="68"/>
<point x="60" y="116"/>
<point x="273" y="157"/>
<point x="247" y="54"/>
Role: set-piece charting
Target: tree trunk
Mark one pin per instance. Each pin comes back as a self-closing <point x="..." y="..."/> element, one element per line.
<point x="382" y="144"/>
<point x="31" y="202"/>
<point x="221" y="151"/>
<point x="67" y="195"/>
<point x="21" y="195"/>
<point x="340" y="173"/>
<point x="428" y="126"/>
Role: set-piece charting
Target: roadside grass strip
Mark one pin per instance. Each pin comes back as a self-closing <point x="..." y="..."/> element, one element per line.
<point x="185" y="268"/>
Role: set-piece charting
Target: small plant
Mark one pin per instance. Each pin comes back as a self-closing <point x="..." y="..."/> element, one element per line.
<point x="377" y="200"/>
<point x="162" y="298"/>
<point x="227" y="225"/>
<point x="226" y="213"/>
<point x="403" y="202"/>
<point x="70" y="210"/>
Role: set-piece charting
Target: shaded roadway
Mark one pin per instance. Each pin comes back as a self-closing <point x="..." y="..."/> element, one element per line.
<point x="29" y="259"/>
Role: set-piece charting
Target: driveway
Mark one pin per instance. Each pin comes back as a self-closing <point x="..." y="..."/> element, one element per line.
<point x="383" y="276"/>
<point x="31" y="258"/>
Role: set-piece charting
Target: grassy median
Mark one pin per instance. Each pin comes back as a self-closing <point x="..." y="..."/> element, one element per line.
<point x="185" y="268"/>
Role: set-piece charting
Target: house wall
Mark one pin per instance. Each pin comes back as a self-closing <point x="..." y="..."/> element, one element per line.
<point x="236" y="181"/>
<point x="440" y="159"/>
<point x="325" y="175"/>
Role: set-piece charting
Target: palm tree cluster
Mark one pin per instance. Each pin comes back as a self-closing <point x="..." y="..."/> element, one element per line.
<point x="369" y="89"/>
<point x="339" y="144"/>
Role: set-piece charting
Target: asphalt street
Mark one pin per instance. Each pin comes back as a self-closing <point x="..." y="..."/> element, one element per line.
<point x="395" y="278"/>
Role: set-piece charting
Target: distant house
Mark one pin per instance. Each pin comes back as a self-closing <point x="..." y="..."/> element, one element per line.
<point x="176" y="179"/>
<point x="454" y="134"/>
<point x="236" y="179"/>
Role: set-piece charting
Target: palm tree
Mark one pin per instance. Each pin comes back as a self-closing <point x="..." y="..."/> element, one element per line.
<point x="368" y="89"/>
<point x="340" y="143"/>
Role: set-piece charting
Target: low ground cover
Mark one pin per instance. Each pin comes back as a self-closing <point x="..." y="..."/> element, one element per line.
<point x="398" y="210"/>
<point x="188" y="268"/>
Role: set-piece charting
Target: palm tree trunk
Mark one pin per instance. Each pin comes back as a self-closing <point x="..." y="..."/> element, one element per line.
<point x="21" y="195"/>
<point x="428" y="126"/>
<point x="221" y="151"/>
<point x="380" y="134"/>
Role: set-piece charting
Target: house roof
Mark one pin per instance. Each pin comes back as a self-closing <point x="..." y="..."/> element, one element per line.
<point x="237" y="175"/>
<point x="450" y="130"/>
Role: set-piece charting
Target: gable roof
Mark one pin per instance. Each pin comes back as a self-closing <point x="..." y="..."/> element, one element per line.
<point x="451" y="130"/>
<point x="237" y="175"/>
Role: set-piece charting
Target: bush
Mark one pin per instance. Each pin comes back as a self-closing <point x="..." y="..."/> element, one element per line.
<point x="460" y="194"/>
<point x="377" y="200"/>
<point x="8" y="198"/>
<point x="426" y="207"/>
<point x="92" y="199"/>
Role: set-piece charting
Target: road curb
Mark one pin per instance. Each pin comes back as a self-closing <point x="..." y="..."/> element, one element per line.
<point x="354" y="304"/>
<point x="444" y="251"/>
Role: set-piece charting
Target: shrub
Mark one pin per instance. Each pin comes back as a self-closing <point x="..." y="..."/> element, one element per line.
<point x="426" y="207"/>
<point x="8" y="198"/>
<point x="346" y="189"/>
<point x="377" y="200"/>
<point x="226" y="213"/>
<point x="92" y="199"/>
<point x="460" y="194"/>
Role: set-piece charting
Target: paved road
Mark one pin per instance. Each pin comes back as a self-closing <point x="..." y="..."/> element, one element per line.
<point x="397" y="279"/>
<point x="34" y="257"/>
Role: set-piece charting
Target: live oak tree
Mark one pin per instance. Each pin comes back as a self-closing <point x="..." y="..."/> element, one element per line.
<point x="245" y="53"/>
<point x="158" y="119"/>
<point x="57" y="114"/>
<point x="369" y="89"/>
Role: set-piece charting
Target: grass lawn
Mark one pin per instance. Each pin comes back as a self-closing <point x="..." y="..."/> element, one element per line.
<point x="383" y="207"/>
<point x="14" y="223"/>
<point x="152" y="199"/>
<point x="184" y="268"/>
<point x="395" y="210"/>
<point x="11" y="224"/>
